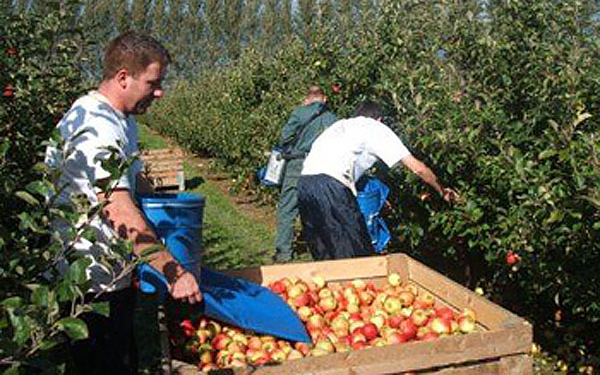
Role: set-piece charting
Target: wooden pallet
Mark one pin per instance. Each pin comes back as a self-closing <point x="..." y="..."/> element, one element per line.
<point x="164" y="168"/>
<point x="502" y="344"/>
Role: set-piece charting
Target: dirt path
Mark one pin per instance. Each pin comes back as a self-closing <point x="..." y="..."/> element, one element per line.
<point x="199" y="169"/>
<point x="246" y="203"/>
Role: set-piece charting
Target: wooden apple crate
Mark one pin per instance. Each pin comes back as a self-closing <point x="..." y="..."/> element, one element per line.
<point x="164" y="168"/>
<point x="501" y="344"/>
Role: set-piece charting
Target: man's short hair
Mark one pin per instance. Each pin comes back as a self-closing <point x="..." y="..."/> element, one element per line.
<point x="133" y="51"/>
<point x="368" y="108"/>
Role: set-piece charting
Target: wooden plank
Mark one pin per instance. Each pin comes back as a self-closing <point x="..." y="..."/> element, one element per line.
<point x="491" y="315"/>
<point x="445" y="355"/>
<point x="442" y="352"/>
<point x="164" y="174"/>
<point x="163" y="167"/>
<point x="517" y="365"/>
<point x="331" y="271"/>
<point x="162" y="151"/>
<point x="399" y="263"/>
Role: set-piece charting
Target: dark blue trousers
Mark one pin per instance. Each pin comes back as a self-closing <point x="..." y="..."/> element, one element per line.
<point x="332" y="222"/>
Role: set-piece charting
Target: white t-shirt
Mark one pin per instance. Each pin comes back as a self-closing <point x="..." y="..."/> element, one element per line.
<point x="349" y="147"/>
<point x="91" y="125"/>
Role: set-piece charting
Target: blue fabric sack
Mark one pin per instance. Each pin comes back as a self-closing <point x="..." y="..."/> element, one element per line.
<point x="371" y="196"/>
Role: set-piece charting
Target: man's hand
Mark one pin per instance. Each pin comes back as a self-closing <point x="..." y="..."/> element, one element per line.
<point x="186" y="287"/>
<point x="450" y="195"/>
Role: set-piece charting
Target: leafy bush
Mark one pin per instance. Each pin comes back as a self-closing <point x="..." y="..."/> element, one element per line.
<point x="41" y="55"/>
<point x="503" y="109"/>
<point x="497" y="97"/>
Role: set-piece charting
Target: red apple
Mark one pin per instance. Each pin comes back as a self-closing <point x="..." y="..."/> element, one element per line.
<point x="340" y="324"/>
<point x="394" y="321"/>
<point x="220" y="341"/>
<point x="295" y="291"/>
<point x="445" y="313"/>
<point x="304" y="312"/>
<point x="419" y="317"/>
<point x="336" y="88"/>
<point x="206" y="357"/>
<point x="406" y="298"/>
<point x="255" y="343"/>
<point x="325" y="345"/>
<point x="319" y="282"/>
<point x="302" y="300"/>
<point x="359" y="284"/>
<point x="370" y="331"/>
<point x="408" y="328"/>
<point x="352" y="308"/>
<point x="328" y="303"/>
<point x="512" y="258"/>
<point x="466" y="324"/>
<point x="202" y="335"/>
<point x="426" y="298"/>
<point x="392" y="305"/>
<point x="325" y="293"/>
<point x="302" y="347"/>
<point x="366" y="297"/>
<point x="394" y="279"/>
<point x="378" y="319"/>
<point x="358" y="345"/>
<point x="396" y="338"/>
<point x="278" y="287"/>
<point x="278" y="355"/>
<point x="315" y="322"/>
<point x="356" y="325"/>
<point x="269" y="346"/>
<point x="440" y="325"/>
<point x="9" y="91"/>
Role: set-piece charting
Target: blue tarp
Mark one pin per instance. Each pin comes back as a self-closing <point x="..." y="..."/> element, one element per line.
<point x="371" y="196"/>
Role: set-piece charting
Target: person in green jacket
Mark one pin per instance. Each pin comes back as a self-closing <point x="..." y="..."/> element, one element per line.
<point x="305" y="124"/>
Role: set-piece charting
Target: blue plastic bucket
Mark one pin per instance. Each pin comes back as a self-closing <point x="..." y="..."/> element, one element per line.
<point x="177" y="219"/>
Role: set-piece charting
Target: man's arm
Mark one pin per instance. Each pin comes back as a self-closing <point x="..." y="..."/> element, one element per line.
<point x="128" y="221"/>
<point x="427" y="175"/>
<point x="288" y="132"/>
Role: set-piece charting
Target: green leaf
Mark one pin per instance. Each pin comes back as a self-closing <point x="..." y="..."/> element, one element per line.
<point x="102" y="308"/>
<point x="25" y="196"/>
<point x="75" y="328"/>
<point x="37" y="187"/>
<point x="546" y="154"/>
<point x="40" y="295"/>
<point x="77" y="271"/>
<point x="555" y="216"/>
<point x="13" y="302"/>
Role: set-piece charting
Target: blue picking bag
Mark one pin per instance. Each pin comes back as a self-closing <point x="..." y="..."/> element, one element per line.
<point x="177" y="219"/>
<point x="371" y="196"/>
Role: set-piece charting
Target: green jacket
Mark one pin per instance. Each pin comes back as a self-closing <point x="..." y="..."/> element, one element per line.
<point x="307" y="133"/>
